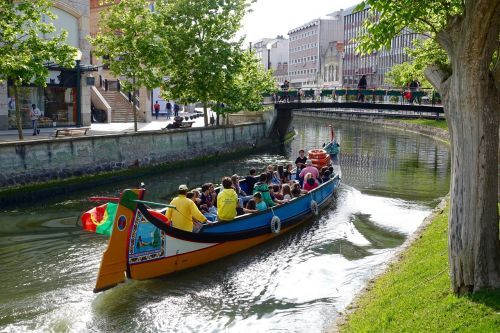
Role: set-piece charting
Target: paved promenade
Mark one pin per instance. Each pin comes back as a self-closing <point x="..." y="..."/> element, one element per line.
<point x="97" y="129"/>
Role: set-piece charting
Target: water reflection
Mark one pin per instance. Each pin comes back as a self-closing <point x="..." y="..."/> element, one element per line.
<point x="294" y="283"/>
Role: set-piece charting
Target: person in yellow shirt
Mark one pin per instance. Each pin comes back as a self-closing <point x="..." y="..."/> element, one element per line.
<point x="184" y="212"/>
<point x="227" y="201"/>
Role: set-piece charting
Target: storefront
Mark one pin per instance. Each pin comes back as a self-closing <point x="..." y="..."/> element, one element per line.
<point x="57" y="101"/>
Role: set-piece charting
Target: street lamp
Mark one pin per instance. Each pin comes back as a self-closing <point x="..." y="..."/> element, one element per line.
<point x="269" y="46"/>
<point x="78" y="58"/>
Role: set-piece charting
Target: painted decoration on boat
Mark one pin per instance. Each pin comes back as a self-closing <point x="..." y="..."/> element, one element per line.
<point x="146" y="241"/>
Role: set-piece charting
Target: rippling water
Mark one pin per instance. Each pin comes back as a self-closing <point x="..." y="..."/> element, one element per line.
<point x="295" y="283"/>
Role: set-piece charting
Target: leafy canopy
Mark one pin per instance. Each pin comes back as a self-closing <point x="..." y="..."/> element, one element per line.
<point x="427" y="17"/>
<point x="128" y="40"/>
<point x="244" y="90"/>
<point x="197" y="37"/>
<point x="28" y="45"/>
<point x="401" y="74"/>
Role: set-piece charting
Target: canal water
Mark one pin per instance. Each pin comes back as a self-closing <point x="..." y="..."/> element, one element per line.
<point x="295" y="283"/>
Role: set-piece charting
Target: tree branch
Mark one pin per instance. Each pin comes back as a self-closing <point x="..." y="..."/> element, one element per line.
<point x="436" y="76"/>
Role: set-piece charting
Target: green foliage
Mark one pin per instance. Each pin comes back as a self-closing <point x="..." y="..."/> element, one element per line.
<point x="199" y="40"/>
<point x="427" y="17"/>
<point x="128" y="39"/>
<point x="415" y="296"/>
<point x="428" y="122"/>
<point x="400" y="75"/>
<point x="246" y="87"/>
<point x="27" y="44"/>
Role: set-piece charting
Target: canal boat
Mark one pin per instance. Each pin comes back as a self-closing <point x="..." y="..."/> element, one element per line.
<point x="143" y="245"/>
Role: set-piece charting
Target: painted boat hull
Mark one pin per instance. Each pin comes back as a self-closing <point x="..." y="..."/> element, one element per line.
<point x="145" y="247"/>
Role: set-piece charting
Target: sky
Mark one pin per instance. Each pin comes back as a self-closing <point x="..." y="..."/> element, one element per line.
<point x="276" y="17"/>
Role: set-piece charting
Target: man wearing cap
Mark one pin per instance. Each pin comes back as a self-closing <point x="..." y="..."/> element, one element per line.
<point x="184" y="212"/>
<point x="309" y="168"/>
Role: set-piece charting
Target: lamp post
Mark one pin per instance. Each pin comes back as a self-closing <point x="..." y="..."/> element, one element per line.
<point x="78" y="58"/>
<point x="269" y="46"/>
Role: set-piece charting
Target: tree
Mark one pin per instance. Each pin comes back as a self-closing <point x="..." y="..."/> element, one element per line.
<point x="243" y="90"/>
<point x="401" y="74"/>
<point x="198" y="36"/>
<point x="468" y="79"/>
<point x="28" y="45"/>
<point x="128" y="37"/>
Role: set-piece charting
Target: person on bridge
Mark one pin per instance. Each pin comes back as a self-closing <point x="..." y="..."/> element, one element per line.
<point x="362" y="86"/>
<point x="157" y="109"/>
<point x="184" y="212"/>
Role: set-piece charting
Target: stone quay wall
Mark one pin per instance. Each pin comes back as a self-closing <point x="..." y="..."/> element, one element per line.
<point x="54" y="159"/>
<point x="437" y="133"/>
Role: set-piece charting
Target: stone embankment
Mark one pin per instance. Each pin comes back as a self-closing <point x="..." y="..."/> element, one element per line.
<point x="434" y="132"/>
<point x="35" y="162"/>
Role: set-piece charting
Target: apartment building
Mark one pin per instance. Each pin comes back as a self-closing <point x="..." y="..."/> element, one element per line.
<point x="309" y="44"/>
<point x="376" y="64"/>
<point x="273" y="53"/>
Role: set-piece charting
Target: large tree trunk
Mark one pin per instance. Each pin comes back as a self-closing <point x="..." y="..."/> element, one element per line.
<point x="471" y="101"/>
<point x="19" y="120"/>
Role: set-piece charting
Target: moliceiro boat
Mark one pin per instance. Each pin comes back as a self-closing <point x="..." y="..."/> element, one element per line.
<point x="143" y="245"/>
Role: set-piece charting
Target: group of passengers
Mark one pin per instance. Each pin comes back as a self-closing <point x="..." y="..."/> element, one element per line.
<point x="275" y="186"/>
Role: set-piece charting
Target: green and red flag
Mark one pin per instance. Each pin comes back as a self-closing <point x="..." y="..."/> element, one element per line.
<point x="100" y="219"/>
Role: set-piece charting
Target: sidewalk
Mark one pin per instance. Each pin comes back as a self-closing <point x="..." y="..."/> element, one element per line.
<point x="98" y="129"/>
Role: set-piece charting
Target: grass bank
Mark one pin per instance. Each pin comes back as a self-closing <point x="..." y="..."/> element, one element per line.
<point x="442" y="124"/>
<point x="414" y="295"/>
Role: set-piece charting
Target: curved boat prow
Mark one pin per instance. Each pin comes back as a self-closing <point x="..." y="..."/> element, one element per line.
<point x="114" y="259"/>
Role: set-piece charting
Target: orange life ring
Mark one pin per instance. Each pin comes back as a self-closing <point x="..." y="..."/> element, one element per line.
<point x="316" y="154"/>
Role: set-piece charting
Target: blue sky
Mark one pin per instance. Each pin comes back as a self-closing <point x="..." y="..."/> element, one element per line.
<point x="276" y="17"/>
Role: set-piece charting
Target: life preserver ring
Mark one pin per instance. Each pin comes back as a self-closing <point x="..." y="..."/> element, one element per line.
<point x="275" y="225"/>
<point x="316" y="154"/>
<point x="314" y="208"/>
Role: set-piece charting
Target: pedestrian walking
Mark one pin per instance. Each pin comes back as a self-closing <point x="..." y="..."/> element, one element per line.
<point x="362" y="86"/>
<point x="176" y="110"/>
<point x="157" y="109"/>
<point x="169" y="110"/>
<point x="35" y="115"/>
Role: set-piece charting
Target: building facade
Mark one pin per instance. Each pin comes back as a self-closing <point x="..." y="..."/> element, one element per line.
<point x="376" y="64"/>
<point x="273" y="53"/>
<point x="331" y="66"/>
<point x="58" y="101"/>
<point x="308" y="44"/>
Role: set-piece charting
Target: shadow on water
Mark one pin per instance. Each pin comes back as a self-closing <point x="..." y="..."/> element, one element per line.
<point x="343" y="247"/>
<point x="379" y="237"/>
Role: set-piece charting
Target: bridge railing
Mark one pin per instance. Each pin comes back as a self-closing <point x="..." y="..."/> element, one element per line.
<point x="386" y="96"/>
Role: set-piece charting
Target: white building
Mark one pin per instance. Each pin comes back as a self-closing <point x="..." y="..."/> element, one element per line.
<point x="58" y="100"/>
<point x="273" y="53"/>
<point x="309" y="44"/>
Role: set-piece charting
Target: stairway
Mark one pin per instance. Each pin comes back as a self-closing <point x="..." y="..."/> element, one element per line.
<point x="121" y="108"/>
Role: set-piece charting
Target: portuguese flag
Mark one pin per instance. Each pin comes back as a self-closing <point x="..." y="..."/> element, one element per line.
<point x="100" y="219"/>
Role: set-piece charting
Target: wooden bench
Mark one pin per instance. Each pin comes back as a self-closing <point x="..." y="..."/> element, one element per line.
<point x="70" y="131"/>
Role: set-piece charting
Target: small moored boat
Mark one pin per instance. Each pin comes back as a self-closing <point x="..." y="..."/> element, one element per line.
<point x="143" y="245"/>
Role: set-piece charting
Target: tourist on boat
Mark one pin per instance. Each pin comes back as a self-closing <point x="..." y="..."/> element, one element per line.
<point x="195" y="196"/>
<point x="326" y="176"/>
<point x="296" y="191"/>
<point x="250" y="181"/>
<point x="262" y="187"/>
<point x="184" y="212"/>
<point x="275" y="178"/>
<point x="208" y="196"/>
<point x="227" y="201"/>
<point x="300" y="164"/>
<point x="309" y="169"/>
<point x="235" y="179"/>
<point x="286" y="191"/>
<point x="310" y="182"/>
<point x="251" y="207"/>
<point x="259" y="202"/>
<point x="276" y="192"/>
